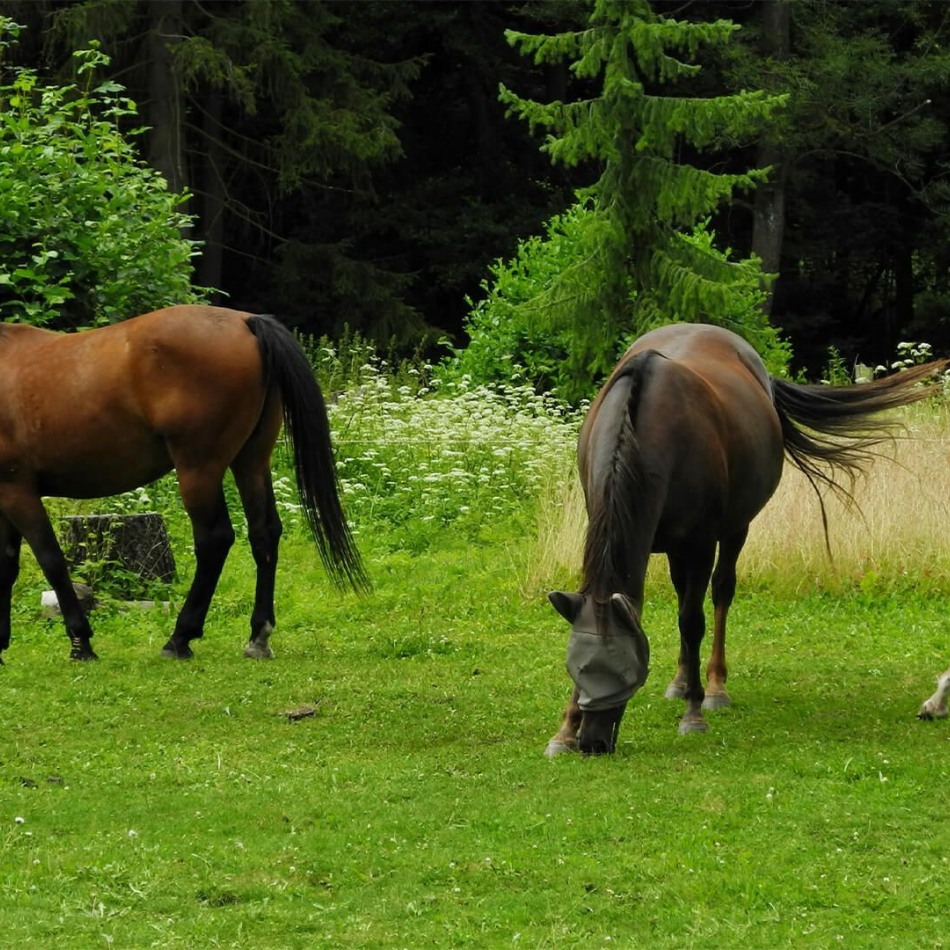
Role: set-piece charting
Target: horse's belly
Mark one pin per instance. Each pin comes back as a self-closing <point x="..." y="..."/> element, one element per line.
<point x="101" y="471"/>
<point x="96" y="484"/>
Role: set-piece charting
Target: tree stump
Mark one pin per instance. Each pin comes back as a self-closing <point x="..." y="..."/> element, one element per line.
<point x="97" y="546"/>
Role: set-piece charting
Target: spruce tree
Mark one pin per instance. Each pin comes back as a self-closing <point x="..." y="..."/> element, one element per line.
<point x="643" y="255"/>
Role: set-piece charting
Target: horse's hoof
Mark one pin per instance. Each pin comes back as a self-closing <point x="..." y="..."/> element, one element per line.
<point x="83" y="654"/>
<point x="558" y="747"/>
<point x="675" y="691"/>
<point x="257" y="651"/>
<point x="694" y="724"/>
<point x="715" y="701"/>
<point x="172" y="652"/>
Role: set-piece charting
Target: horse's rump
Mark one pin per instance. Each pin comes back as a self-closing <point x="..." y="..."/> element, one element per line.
<point x="705" y="428"/>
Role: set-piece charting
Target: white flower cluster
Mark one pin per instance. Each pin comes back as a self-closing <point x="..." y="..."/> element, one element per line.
<point x="442" y="452"/>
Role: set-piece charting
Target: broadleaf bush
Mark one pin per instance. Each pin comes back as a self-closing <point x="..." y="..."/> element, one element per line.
<point x="89" y="233"/>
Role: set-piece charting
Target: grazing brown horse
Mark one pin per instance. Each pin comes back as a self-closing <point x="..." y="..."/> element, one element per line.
<point x="681" y="449"/>
<point x="197" y="389"/>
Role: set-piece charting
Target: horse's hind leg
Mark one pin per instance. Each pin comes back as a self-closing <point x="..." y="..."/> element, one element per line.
<point x="690" y="570"/>
<point x="252" y="475"/>
<point x="9" y="569"/>
<point x="723" y="590"/>
<point x="28" y="518"/>
<point x="203" y="498"/>
<point x="264" y="531"/>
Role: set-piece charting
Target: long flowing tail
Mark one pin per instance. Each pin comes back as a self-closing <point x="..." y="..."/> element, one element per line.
<point x="831" y="430"/>
<point x="308" y="429"/>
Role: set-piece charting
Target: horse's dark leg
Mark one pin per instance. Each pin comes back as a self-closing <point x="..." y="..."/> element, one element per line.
<point x="9" y="569"/>
<point x="565" y="739"/>
<point x="264" y="531"/>
<point x="723" y="590"/>
<point x="29" y="519"/>
<point x="690" y="570"/>
<point x="204" y="501"/>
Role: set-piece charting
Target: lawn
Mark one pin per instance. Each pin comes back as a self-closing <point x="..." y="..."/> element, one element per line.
<point x="156" y="803"/>
<point x="147" y="802"/>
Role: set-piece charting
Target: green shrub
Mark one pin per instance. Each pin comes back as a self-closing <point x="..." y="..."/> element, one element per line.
<point x="512" y="335"/>
<point x="89" y="234"/>
<point x="508" y="337"/>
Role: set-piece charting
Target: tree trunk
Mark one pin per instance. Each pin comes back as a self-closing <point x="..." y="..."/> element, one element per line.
<point x="166" y="148"/>
<point x="213" y="195"/>
<point x="768" y="222"/>
<point x="96" y="546"/>
<point x="903" y="292"/>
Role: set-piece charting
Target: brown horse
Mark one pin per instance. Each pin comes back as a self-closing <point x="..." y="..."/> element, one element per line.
<point x="197" y="389"/>
<point x="681" y="449"/>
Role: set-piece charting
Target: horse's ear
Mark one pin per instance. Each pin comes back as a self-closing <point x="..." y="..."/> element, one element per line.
<point x="621" y="612"/>
<point x="567" y="605"/>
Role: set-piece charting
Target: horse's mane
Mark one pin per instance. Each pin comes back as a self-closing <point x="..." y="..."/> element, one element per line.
<point x="615" y="504"/>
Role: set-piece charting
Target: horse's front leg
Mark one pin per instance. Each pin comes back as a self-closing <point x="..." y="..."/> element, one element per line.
<point x="9" y="569"/>
<point x="204" y="501"/>
<point x="28" y="518"/>
<point x="565" y="739"/>
<point x="677" y="687"/>
<point x="723" y="591"/>
<point x="936" y="706"/>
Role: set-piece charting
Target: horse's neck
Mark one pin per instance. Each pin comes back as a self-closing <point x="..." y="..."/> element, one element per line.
<point x="621" y="491"/>
<point x="618" y="548"/>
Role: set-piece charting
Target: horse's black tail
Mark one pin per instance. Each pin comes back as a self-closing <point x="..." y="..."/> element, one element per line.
<point x="830" y="430"/>
<point x="308" y="429"/>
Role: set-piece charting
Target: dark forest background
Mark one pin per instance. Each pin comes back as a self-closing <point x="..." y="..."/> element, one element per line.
<point x="350" y="163"/>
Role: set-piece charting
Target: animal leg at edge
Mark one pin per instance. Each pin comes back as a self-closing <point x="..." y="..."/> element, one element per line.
<point x="935" y="707"/>
<point x="25" y="512"/>
<point x="9" y="569"/>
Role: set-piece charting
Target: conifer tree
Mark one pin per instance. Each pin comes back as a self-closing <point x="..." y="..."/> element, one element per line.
<point x="639" y="258"/>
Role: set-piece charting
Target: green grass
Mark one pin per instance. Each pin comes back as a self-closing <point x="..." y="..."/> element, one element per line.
<point x="173" y="804"/>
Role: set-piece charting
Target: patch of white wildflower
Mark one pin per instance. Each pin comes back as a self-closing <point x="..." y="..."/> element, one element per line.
<point x="442" y="452"/>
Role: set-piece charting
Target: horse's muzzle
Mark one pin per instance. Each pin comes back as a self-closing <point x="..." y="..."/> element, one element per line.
<point x="598" y="732"/>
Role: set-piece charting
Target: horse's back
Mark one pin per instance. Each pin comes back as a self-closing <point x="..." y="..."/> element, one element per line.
<point x="124" y="396"/>
<point x="712" y="352"/>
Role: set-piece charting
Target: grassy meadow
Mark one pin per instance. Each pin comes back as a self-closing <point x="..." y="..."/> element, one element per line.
<point x="152" y="803"/>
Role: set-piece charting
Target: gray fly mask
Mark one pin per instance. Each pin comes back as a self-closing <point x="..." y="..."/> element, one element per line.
<point x="609" y="667"/>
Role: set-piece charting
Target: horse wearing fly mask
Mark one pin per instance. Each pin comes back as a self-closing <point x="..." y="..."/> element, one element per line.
<point x="680" y="450"/>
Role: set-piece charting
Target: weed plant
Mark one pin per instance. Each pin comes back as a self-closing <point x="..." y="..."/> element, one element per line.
<point x="419" y="456"/>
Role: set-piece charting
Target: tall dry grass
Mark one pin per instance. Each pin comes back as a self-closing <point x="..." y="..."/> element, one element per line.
<point x="895" y="536"/>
